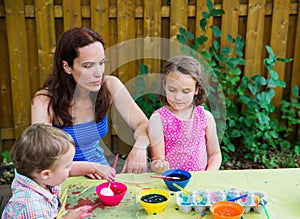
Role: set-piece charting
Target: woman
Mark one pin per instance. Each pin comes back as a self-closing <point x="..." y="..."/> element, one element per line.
<point x="77" y="96"/>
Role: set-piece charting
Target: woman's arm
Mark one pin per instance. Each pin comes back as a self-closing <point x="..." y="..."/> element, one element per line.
<point x="157" y="144"/>
<point x="136" y="161"/>
<point x="212" y="144"/>
<point x="39" y="108"/>
<point x="93" y="170"/>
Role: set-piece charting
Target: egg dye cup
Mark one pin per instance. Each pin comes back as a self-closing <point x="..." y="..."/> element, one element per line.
<point x="153" y="208"/>
<point x="226" y="210"/>
<point x="178" y="173"/>
<point x="119" y="190"/>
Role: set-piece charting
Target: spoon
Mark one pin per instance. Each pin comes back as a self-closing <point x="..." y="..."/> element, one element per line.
<point x="107" y="191"/>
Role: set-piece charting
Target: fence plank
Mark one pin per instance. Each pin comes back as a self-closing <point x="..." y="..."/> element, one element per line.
<point x="296" y="59"/>
<point x="44" y="12"/>
<point x="279" y="33"/>
<point x="176" y="8"/>
<point x="152" y="28"/>
<point x="255" y="32"/>
<point x="71" y="14"/>
<point x="6" y="111"/>
<point x="230" y="21"/>
<point x="100" y="18"/>
<point x="18" y="59"/>
<point x="126" y="31"/>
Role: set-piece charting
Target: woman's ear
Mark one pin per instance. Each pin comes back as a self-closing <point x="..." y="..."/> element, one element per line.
<point x="66" y="67"/>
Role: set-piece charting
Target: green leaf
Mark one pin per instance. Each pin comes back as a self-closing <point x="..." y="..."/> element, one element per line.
<point x="143" y="69"/>
<point x="231" y="147"/>
<point x="216" y="12"/>
<point x="259" y="80"/>
<point x="206" y="54"/>
<point x="185" y="50"/>
<point x="205" y="15"/>
<point x="284" y="59"/>
<point x="273" y="74"/>
<point x="226" y="50"/>
<point x="216" y="31"/>
<point x="181" y="39"/>
<point x="271" y="53"/>
<point x="230" y="38"/>
<point x="201" y="40"/>
<point x="182" y="30"/>
<point x="280" y="83"/>
<point x="271" y="83"/>
<point x="220" y="57"/>
<point x="203" y="23"/>
<point x="235" y="71"/>
<point x="189" y="35"/>
<point x="295" y="91"/>
<point x="253" y="89"/>
<point x="209" y="5"/>
<point x="216" y="45"/>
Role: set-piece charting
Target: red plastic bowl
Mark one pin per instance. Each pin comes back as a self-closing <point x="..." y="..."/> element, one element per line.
<point x="119" y="190"/>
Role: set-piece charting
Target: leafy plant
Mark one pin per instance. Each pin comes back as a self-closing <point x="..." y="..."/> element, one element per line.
<point x="251" y="126"/>
<point x="6" y="169"/>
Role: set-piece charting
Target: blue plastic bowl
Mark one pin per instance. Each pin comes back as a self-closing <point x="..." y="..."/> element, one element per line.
<point x="183" y="174"/>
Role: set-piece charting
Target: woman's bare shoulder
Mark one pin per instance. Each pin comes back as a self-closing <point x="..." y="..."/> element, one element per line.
<point x="41" y="96"/>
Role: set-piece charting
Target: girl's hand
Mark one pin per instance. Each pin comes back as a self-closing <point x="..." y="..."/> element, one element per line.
<point x="159" y="166"/>
<point x="79" y="213"/>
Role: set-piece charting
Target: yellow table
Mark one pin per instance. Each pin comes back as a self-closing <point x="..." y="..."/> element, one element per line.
<point x="281" y="186"/>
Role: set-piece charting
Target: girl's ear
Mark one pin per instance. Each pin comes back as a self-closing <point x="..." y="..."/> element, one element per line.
<point x="197" y="90"/>
<point x="44" y="174"/>
<point x="66" y="67"/>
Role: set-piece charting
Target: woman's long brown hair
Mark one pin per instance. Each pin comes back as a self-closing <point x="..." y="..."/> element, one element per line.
<point x="61" y="86"/>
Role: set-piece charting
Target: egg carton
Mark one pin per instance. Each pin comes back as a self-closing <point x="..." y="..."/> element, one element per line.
<point x="201" y="200"/>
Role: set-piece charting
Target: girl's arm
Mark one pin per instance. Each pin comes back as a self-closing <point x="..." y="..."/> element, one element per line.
<point x="136" y="161"/>
<point x="157" y="144"/>
<point x="212" y="144"/>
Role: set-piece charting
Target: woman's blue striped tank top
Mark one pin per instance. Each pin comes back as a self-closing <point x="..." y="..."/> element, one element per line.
<point x="86" y="137"/>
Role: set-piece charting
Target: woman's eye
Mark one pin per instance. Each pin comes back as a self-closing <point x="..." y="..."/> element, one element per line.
<point x="102" y="62"/>
<point x="87" y="65"/>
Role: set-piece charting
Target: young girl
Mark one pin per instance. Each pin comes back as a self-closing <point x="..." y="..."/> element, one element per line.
<point x="42" y="157"/>
<point x="182" y="133"/>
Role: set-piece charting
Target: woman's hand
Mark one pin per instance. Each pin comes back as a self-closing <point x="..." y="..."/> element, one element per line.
<point x="93" y="170"/>
<point x="159" y="166"/>
<point x="102" y="172"/>
<point x="136" y="161"/>
<point x="79" y="213"/>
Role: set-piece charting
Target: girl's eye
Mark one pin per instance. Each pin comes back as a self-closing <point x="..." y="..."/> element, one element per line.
<point x="186" y="91"/>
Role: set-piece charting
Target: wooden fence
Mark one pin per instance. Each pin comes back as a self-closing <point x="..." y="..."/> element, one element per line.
<point x="29" y="30"/>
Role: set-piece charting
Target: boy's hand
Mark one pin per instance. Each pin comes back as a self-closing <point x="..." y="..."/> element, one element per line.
<point x="79" y="213"/>
<point x="159" y="166"/>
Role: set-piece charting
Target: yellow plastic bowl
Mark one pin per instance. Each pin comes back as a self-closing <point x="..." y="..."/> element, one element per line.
<point x="153" y="208"/>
